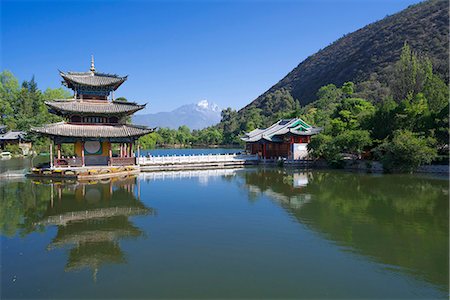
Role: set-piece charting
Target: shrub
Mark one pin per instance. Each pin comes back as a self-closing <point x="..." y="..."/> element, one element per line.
<point x="14" y="149"/>
<point x="406" y="151"/>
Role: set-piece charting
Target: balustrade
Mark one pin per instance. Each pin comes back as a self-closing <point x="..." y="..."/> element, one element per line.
<point x="189" y="159"/>
<point x="68" y="162"/>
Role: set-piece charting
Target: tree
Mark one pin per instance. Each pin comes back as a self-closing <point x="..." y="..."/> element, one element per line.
<point x="319" y="144"/>
<point x="383" y="122"/>
<point x="253" y="119"/>
<point x="373" y="90"/>
<point x="168" y="136"/>
<point x="9" y="93"/>
<point x="354" y="141"/>
<point x="59" y="93"/>
<point x="183" y="135"/>
<point x="436" y="92"/>
<point x="325" y="146"/>
<point x="150" y="141"/>
<point x="440" y="127"/>
<point x="406" y="151"/>
<point x="410" y="74"/>
<point x="412" y="113"/>
<point x="350" y="114"/>
<point x="348" y="88"/>
<point x="230" y="125"/>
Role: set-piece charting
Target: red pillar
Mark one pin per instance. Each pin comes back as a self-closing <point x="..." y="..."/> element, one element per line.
<point x="82" y="153"/>
<point x="51" y="154"/>
<point x="110" y="154"/>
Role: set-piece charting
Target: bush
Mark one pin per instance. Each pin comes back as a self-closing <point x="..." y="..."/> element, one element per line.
<point x="406" y="151"/>
<point x="325" y="146"/>
<point x="14" y="149"/>
<point x="354" y="141"/>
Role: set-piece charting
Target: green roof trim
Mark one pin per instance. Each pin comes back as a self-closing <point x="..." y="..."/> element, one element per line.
<point x="300" y="122"/>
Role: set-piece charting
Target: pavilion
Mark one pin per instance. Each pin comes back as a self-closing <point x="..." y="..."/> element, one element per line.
<point x="93" y="122"/>
<point x="286" y="139"/>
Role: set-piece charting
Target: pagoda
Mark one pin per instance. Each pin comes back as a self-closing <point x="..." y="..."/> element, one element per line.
<point x="94" y="122"/>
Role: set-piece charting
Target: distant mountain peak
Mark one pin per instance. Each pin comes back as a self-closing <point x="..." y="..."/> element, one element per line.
<point x="205" y="105"/>
<point x="196" y="116"/>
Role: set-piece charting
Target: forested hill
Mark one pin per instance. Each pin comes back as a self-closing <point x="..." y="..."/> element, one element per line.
<point x="367" y="52"/>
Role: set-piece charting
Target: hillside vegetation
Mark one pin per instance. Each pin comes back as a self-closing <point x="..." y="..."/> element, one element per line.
<point x="366" y="55"/>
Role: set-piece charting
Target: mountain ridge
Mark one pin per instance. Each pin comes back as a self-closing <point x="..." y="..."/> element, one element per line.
<point x="195" y="116"/>
<point x="369" y="50"/>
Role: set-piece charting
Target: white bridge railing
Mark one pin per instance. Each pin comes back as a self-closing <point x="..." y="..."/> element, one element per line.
<point x="195" y="159"/>
<point x="203" y="175"/>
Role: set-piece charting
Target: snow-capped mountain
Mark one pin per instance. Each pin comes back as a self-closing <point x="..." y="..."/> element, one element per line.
<point x="194" y="116"/>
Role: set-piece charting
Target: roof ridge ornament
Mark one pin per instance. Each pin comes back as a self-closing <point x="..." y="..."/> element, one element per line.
<point x="92" y="65"/>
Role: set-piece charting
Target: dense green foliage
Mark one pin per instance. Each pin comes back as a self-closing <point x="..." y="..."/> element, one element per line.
<point x="358" y="118"/>
<point x="23" y="106"/>
<point x="406" y="151"/>
<point x="405" y="128"/>
<point x="181" y="137"/>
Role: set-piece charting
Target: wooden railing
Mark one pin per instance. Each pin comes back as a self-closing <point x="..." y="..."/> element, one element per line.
<point x="195" y="159"/>
<point x="77" y="162"/>
<point x="68" y="162"/>
<point x="122" y="161"/>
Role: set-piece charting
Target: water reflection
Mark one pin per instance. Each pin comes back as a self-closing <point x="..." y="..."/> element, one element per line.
<point x="397" y="220"/>
<point x="91" y="218"/>
<point x="320" y="234"/>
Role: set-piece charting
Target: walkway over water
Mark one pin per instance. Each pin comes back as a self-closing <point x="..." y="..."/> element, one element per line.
<point x="177" y="162"/>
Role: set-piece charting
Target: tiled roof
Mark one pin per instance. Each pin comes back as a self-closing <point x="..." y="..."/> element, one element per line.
<point x="276" y="131"/>
<point x="94" y="107"/>
<point x="13" y="135"/>
<point x="64" y="129"/>
<point x="92" y="79"/>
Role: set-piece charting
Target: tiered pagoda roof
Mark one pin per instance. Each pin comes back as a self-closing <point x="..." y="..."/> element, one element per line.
<point x="88" y="107"/>
<point x="71" y="79"/>
<point x="65" y="129"/>
<point x="90" y="114"/>
<point x="275" y="132"/>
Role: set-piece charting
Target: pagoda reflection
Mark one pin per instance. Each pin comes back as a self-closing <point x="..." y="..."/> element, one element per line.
<point x="92" y="217"/>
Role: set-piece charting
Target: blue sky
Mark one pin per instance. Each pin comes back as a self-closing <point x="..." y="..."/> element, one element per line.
<point x="178" y="52"/>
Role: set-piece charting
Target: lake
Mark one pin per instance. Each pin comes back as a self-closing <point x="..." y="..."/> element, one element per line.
<point x="247" y="233"/>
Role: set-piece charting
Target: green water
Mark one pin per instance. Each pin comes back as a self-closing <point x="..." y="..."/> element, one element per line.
<point x="249" y="233"/>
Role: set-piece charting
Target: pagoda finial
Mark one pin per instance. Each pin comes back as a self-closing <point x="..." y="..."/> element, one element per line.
<point x="92" y="64"/>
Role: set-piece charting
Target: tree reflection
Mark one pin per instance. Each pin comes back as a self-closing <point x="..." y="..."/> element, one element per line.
<point x="21" y="205"/>
<point x="398" y="220"/>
